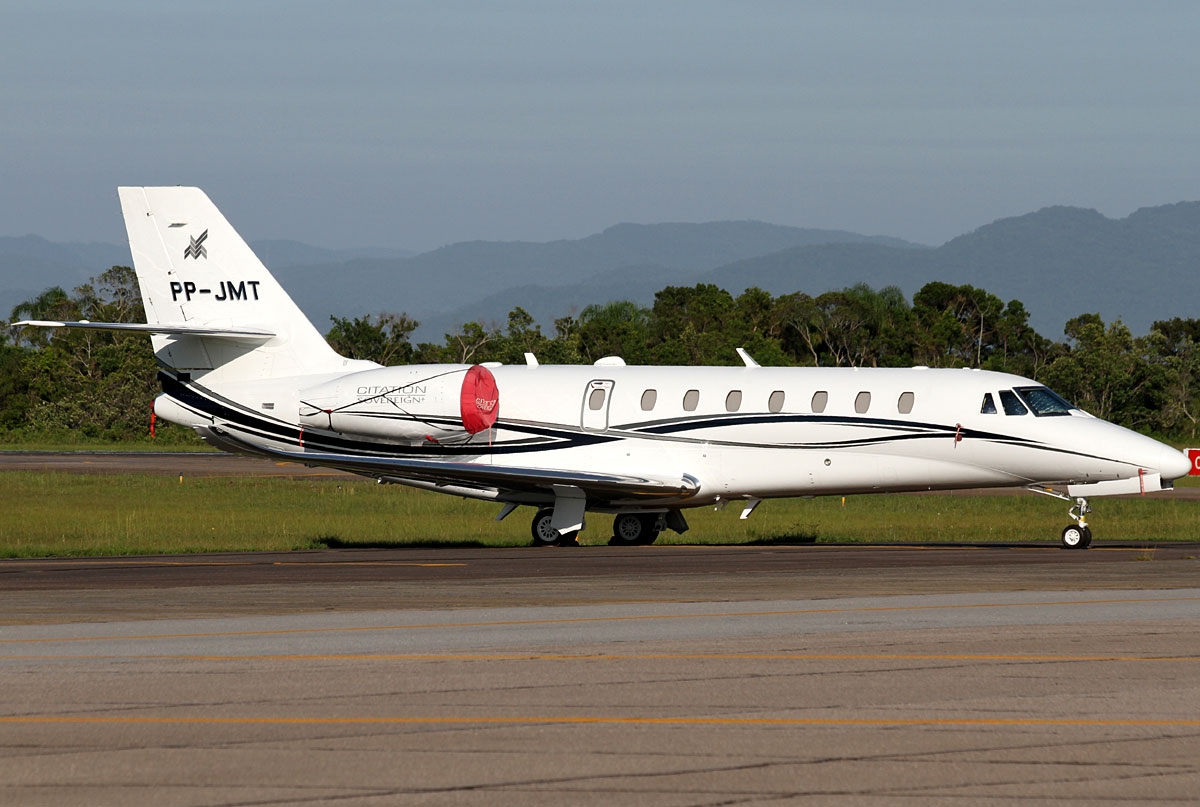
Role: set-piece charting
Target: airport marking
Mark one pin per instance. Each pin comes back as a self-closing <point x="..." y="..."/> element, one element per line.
<point x="230" y="563"/>
<point x="598" y="620"/>
<point x="363" y="563"/>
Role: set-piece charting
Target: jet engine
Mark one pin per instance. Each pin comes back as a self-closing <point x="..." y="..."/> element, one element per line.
<point x="427" y="403"/>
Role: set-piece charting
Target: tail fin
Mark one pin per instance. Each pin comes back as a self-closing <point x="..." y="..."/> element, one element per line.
<point x="200" y="280"/>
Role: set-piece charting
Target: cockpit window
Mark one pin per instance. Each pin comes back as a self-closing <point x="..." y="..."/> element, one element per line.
<point x="1044" y="402"/>
<point x="989" y="405"/>
<point x="1011" y="403"/>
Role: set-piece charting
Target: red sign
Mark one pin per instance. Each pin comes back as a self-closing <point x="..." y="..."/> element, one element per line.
<point x="1194" y="456"/>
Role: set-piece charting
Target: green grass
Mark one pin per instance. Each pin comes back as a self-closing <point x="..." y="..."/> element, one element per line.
<point x="91" y="447"/>
<point x="48" y="514"/>
<point x="65" y="514"/>
<point x="23" y="443"/>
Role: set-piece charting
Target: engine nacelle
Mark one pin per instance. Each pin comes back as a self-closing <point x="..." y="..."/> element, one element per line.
<point x="442" y="403"/>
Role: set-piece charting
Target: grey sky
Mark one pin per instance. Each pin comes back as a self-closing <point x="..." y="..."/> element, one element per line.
<point x="418" y="124"/>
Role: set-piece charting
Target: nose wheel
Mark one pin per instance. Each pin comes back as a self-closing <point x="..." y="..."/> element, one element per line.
<point x="1079" y="534"/>
<point x="1076" y="537"/>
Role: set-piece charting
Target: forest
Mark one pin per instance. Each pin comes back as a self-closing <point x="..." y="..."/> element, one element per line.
<point x="63" y="386"/>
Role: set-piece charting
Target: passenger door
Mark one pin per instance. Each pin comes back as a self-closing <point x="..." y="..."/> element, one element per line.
<point x="596" y="399"/>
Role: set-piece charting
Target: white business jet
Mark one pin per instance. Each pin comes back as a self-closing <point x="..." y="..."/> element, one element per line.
<point x="243" y="366"/>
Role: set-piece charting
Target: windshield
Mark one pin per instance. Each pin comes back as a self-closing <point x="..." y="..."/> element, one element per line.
<point x="1045" y="402"/>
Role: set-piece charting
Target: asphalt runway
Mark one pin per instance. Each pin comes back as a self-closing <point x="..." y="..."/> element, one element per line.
<point x="615" y="675"/>
<point x="648" y="675"/>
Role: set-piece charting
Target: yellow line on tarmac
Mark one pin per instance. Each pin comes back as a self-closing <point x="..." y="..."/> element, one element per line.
<point x="587" y="720"/>
<point x="604" y="619"/>
<point x="133" y="562"/>
<point x="205" y="563"/>
<point x="361" y="563"/>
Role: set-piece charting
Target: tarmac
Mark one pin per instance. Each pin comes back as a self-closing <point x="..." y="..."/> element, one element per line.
<point x="604" y="675"/>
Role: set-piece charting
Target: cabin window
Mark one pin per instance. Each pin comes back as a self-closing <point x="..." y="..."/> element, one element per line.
<point x="733" y="401"/>
<point x="1044" y="402"/>
<point x="1011" y="403"/>
<point x="691" y="399"/>
<point x="819" y="401"/>
<point x="775" y="402"/>
<point x="649" y="398"/>
<point x="989" y="405"/>
<point x="905" y="404"/>
<point x="862" y="402"/>
<point x="596" y="399"/>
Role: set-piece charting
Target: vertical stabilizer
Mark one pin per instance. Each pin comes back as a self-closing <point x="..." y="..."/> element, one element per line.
<point x="194" y="269"/>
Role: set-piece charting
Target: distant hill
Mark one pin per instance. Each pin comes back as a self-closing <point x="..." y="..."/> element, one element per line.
<point x="294" y="253"/>
<point x="449" y="286"/>
<point x="1059" y="261"/>
<point x="439" y="287"/>
<point x="30" y="264"/>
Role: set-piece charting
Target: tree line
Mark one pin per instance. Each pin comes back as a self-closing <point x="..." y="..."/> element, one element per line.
<point x="99" y="385"/>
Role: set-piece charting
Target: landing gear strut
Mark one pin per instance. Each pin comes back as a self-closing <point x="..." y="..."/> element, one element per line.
<point x="1079" y="534"/>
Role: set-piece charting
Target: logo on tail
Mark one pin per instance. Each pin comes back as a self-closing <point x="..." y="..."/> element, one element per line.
<point x="196" y="248"/>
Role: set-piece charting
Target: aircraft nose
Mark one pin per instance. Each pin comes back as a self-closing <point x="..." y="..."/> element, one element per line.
<point x="1173" y="464"/>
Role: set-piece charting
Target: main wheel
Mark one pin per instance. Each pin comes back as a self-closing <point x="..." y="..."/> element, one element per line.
<point x="543" y="533"/>
<point x="1076" y="537"/>
<point x="630" y="529"/>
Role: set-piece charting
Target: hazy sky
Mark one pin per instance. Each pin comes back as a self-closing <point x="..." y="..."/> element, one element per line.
<point x="419" y="124"/>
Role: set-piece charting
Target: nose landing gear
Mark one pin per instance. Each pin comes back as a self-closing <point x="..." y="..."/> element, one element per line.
<point x="1079" y="534"/>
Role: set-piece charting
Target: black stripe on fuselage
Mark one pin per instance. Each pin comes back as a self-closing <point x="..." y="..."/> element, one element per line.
<point x="210" y="404"/>
<point x="907" y="430"/>
<point x="542" y="437"/>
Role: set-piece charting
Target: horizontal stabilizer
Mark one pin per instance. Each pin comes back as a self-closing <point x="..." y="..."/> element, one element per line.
<point x="180" y="328"/>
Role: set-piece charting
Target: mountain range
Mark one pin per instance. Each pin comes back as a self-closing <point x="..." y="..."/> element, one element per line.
<point x="1059" y="261"/>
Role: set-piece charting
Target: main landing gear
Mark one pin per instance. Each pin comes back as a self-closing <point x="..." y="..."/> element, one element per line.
<point x="546" y="535"/>
<point x="630" y="529"/>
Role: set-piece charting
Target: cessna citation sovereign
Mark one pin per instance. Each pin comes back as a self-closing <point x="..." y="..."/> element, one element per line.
<point x="245" y="368"/>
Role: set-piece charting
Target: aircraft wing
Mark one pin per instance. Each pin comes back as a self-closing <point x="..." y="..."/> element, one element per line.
<point x="475" y="475"/>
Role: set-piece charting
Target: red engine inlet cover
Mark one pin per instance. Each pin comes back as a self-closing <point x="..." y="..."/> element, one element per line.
<point x="480" y="400"/>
